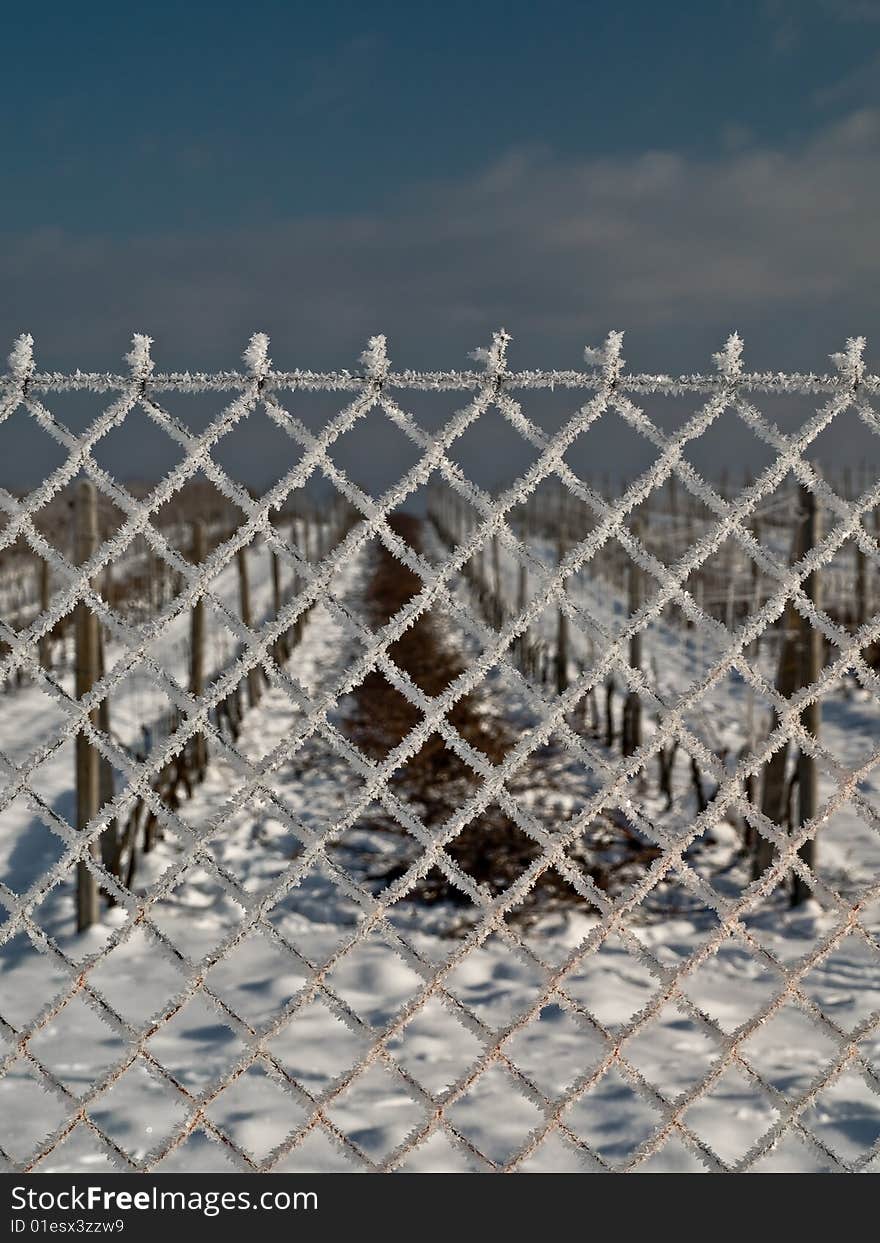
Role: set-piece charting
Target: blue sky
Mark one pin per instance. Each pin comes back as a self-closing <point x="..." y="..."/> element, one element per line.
<point x="323" y="172"/>
<point x="148" y="118"/>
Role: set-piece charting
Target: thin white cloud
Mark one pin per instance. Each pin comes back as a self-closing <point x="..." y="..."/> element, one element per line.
<point x="789" y="21"/>
<point x="675" y="249"/>
<point x="852" y="10"/>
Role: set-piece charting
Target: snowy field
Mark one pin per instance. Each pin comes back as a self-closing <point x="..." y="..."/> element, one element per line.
<point x="546" y="1058"/>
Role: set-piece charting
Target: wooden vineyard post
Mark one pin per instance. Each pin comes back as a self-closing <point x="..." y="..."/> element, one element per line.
<point x="811" y="642"/>
<point x="861" y="589"/>
<point x="297" y="544"/>
<point x="750" y="839"/>
<point x="872" y="593"/>
<point x="280" y="646"/>
<point x="631" y="738"/>
<point x="110" y="840"/>
<point x="496" y="583"/>
<point x="321" y="531"/>
<point x="773" y="775"/>
<point x="310" y="538"/>
<point x="522" y="597"/>
<point x="45" y="642"/>
<point x="756" y="581"/>
<point x="244" y="595"/>
<point x="609" y="712"/>
<point x="561" y="616"/>
<point x="197" y="649"/>
<point x="773" y="791"/>
<point x="87" y="758"/>
<point x="773" y="782"/>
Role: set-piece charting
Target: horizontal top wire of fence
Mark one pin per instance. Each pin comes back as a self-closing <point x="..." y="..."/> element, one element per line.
<point x="495" y="571"/>
<point x="22" y="368"/>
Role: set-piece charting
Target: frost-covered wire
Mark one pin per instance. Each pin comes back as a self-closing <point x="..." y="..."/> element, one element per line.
<point x="376" y="386"/>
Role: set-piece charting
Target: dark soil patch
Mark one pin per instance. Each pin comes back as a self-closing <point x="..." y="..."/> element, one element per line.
<point x="435" y="782"/>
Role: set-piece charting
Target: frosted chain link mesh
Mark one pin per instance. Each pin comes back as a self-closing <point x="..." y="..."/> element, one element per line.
<point x="607" y="386"/>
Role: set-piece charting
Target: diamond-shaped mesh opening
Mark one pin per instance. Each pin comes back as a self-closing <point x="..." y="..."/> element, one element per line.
<point x="435" y="1047"/>
<point x="256" y="1112"/>
<point x="496" y="983"/>
<point x="198" y="914"/>
<point x="613" y="1118"/>
<point x="554" y="1049"/>
<point x="611" y="438"/>
<point x="374" y="981"/>
<point x="78" y="1045"/>
<point x="256" y="978"/>
<point x="493" y="851"/>
<point x="495" y="1116"/>
<point x="199" y="499"/>
<point x="139" y="1112"/>
<point x="157" y="453"/>
<point x="258" y="451"/>
<point x="301" y="914"/>
<point x="611" y="983"/>
<point x="501" y="449"/>
<point x="316" y="1046"/>
<point x="745" y="1111"/>
<point x="381" y="718"/>
<point x="557" y="889"/>
<point x="726" y="447"/>
<point x="672" y="1051"/>
<point x="376" y="1112"/>
<point x="353" y="449"/>
<point x="196" y="1045"/>
<point x="711" y="986"/>
<point x="137" y="978"/>
<point x="769" y="1050"/>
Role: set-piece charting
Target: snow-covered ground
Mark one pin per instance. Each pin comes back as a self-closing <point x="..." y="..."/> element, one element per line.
<point x="729" y="714"/>
<point x="311" y="1030"/>
<point x="31" y="719"/>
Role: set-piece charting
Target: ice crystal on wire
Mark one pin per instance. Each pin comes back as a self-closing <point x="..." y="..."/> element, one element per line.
<point x="256" y="354"/>
<point x="494" y="356"/>
<point x="607" y="356"/>
<point x="850" y="362"/>
<point x="21" y="357"/>
<point x="138" y="357"/>
<point x="729" y="359"/>
<point x="375" y="358"/>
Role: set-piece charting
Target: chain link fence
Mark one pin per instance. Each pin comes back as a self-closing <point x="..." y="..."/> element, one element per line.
<point x="433" y="1000"/>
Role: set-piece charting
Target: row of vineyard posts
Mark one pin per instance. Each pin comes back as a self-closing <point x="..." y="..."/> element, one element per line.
<point x="786" y="791"/>
<point x="119" y="844"/>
